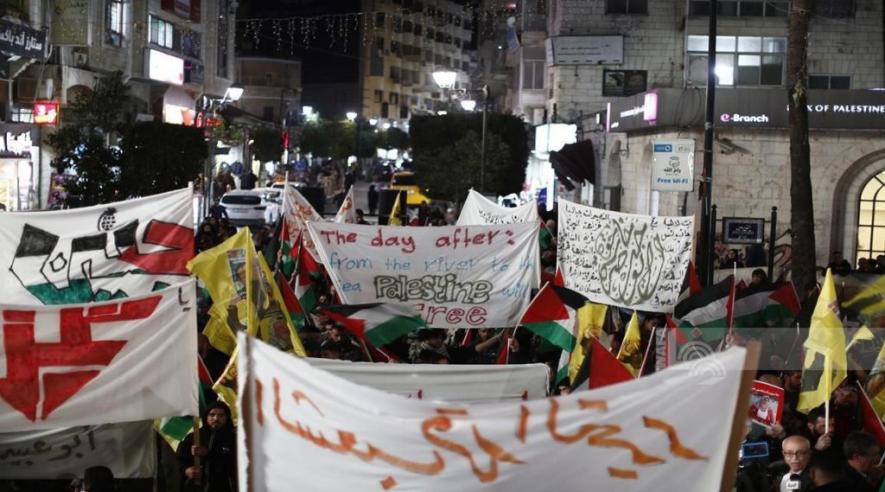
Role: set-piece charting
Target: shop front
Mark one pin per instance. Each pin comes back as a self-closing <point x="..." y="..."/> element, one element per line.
<point x="18" y="172"/>
<point x="751" y="160"/>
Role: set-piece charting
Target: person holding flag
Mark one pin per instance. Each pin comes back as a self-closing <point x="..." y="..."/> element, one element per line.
<point x="211" y="465"/>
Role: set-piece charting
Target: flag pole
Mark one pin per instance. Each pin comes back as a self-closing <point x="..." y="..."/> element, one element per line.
<point x="738" y="422"/>
<point x="828" y="378"/>
<point x="651" y="342"/>
<point x="196" y="431"/>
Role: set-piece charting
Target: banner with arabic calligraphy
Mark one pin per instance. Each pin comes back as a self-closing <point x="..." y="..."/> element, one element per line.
<point x="479" y="210"/>
<point x="128" y="449"/>
<point x="455" y="276"/>
<point x="636" y="436"/>
<point x="443" y="382"/>
<point x="116" y="361"/>
<point x="626" y="260"/>
<point x="96" y="253"/>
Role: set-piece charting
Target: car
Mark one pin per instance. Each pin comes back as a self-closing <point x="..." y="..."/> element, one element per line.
<point x="405" y="180"/>
<point x="280" y="185"/>
<point x="250" y="207"/>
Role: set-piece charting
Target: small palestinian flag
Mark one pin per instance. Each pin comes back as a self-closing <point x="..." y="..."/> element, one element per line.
<point x="377" y="323"/>
<point x="553" y="316"/>
<point x="288" y="253"/>
<point x="173" y="430"/>
<point x="309" y="271"/>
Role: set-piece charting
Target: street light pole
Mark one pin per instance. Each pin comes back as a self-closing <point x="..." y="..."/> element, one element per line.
<point x="482" y="152"/>
<point x="708" y="228"/>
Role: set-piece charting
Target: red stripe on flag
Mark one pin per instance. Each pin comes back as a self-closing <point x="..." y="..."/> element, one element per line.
<point x="871" y="422"/>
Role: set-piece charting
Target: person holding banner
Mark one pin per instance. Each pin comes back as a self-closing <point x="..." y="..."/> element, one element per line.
<point x="216" y="468"/>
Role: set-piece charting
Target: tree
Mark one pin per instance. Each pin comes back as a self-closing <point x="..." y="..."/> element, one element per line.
<point x="430" y="135"/>
<point x="86" y="146"/>
<point x="447" y="172"/>
<point x="328" y="138"/>
<point x="267" y="144"/>
<point x="160" y="157"/>
<point x="802" y="204"/>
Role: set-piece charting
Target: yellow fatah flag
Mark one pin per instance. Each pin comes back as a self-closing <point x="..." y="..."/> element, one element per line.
<point x="591" y="318"/>
<point x="244" y="296"/>
<point x="396" y="212"/>
<point x="826" y="363"/>
<point x="870" y="302"/>
<point x="630" y="353"/>
<point x="875" y="387"/>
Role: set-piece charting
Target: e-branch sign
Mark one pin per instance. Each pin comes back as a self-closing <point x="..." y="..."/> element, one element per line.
<point x="756" y="108"/>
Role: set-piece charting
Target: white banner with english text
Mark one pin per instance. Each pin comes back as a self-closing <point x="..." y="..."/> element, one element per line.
<point x="128" y="449"/>
<point x="117" y="361"/>
<point x="479" y="210"/>
<point x="636" y="436"/>
<point x="456" y="277"/>
<point x="96" y="253"/>
<point x="468" y="383"/>
<point x="625" y="260"/>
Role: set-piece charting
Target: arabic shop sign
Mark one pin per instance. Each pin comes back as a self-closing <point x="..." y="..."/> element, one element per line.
<point x="17" y="39"/>
<point x="16" y="140"/>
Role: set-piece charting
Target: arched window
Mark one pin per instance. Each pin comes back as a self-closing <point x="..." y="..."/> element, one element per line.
<point x="871" y="219"/>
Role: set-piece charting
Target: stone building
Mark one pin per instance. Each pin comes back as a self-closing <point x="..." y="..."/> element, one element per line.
<point x="633" y="72"/>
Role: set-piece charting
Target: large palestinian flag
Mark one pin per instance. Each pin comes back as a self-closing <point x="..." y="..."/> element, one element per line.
<point x="553" y="316"/>
<point x="378" y="323"/>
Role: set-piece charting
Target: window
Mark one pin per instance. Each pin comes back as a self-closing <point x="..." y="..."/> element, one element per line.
<point x="742" y="8"/>
<point x="376" y="67"/>
<point x="394" y="98"/>
<point x="533" y="68"/>
<point x="379" y="43"/>
<point x="871" y="218"/>
<point x="626" y="6"/>
<point x="829" y="82"/>
<point x="162" y="33"/>
<point x="379" y="19"/>
<point x="114" y="22"/>
<point x="404" y="112"/>
<point x="418" y="29"/>
<point x="395" y="74"/>
<point x="620" y="83"/>
<point x="839" y="9"/>
<point x="379" y="96"/>
<point x="740" y="60"/>
<point x="268" y="113"/>
<point x="268" y="78"/>
<point x="385" y="110"/>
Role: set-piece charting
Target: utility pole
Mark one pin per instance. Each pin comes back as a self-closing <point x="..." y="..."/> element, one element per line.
<point x="802" y="205"/>
<point x="482" y="152"/>
<point x="708" y="228"/>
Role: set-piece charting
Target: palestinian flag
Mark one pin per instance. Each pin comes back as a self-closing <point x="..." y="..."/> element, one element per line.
<point x="765" y="305"/>
<point x="173" y="430"/>
<point x="553" y="315"/>
<point x="871" y="421"/>
<point x="288" y="253"/>
<point x="704" y="316"/>
<point x="308" y="272"/>
<point x="293" y="306"/>
<point x="691" y="285"/>
<point x="600" y="368"/>
<point x="377" y="323"/>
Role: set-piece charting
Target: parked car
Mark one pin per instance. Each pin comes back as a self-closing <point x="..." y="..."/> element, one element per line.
<point x="250" y="207"/>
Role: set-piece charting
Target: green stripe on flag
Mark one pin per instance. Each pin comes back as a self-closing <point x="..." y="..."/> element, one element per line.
<point x="386" y="332"/>
<point x="553" y="332"/>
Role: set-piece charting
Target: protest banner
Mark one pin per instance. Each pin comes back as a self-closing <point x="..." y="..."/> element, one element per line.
<point x="456" y="277"/>
<point x="468" y="383"/>
<point x="479" y="210"/>
<point x="636" y="436"/>
<point x="96" y="253"/>
<point x="128" y="449"/>
<point x="297" y="212"/>
<point x="115" y="361"/>
<point x="631" y="261"/>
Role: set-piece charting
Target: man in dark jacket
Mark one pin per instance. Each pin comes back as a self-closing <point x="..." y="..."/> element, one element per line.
<point x="217" y="451"/>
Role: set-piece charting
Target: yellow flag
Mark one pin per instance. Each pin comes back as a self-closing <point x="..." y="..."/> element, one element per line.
<point x="875" y="387"/>
<point x="226" y="386"/>
<point x="870" y="302"/>
<point x="591" y="318"/>
<point x="395" y="212"/>
<point x="244" y="295"/>
<point x="630" y="352"/>
<point x="826" y="363"/>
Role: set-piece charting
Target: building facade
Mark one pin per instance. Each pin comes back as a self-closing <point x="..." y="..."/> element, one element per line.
<point x="641" y="65"/>
<point x="170" y="52"/>
<point x="406" y="42"/>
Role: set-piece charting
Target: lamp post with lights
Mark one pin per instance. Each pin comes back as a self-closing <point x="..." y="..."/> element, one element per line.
<point x="210" y="105"/>
<point x="446" y="79"/>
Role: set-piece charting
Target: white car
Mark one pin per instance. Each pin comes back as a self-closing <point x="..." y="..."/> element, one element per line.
<point x="250" y="207"/>
<point x="280" y="185"/>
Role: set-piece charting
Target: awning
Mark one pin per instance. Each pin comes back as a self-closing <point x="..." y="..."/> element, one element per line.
<point x="575" y="162"/>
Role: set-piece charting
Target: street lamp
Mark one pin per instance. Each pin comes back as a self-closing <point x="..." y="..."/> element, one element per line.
<point x="351" y="116"/>
<point x="373" y="121"/>
<point x="445" y="78"/>
<point x="468" y="104"/>
<point x="233" y="93"/>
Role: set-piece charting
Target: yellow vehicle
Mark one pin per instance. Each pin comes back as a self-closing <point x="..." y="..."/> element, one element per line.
<point x="405" y="180"/>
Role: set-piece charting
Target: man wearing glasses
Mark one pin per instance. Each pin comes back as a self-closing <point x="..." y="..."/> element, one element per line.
<point x="863" y="453"/>
<point x="797" y="454"/>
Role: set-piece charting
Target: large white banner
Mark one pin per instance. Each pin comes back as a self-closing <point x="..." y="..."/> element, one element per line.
<point x="479" y="210"/>
<point x="631" y="261"/>
<point x="96" y="253"/>
<point x="128" y="449"/>
<point x="456" y="277"/>
<point x="443" y="382"/>
<point x="116" y="361"/>
<point x="636" y="436"/>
